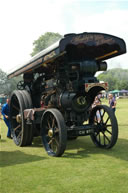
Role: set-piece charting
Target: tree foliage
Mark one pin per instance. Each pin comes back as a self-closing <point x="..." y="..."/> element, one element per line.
<point x="44" y="41"/>
<point x="116" y="78"/>
<point x="8" y="85"/>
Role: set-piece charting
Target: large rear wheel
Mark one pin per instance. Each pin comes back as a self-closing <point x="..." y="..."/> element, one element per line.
<point x="21" y="132"/>
<point x="28" y="105"/>
<point x="106" y="132"/>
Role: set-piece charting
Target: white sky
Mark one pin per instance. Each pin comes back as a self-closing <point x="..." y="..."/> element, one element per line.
<point x="23" y="21"/>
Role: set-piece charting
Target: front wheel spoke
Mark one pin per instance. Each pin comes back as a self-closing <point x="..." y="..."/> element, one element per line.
<point x="53" y="122"/>
<point x="56" y="141"/>
<point x="47" y="128"/>
<point x="56" y="130"/>
<point x="49" y="125"/>
<point x="54" y="146"/>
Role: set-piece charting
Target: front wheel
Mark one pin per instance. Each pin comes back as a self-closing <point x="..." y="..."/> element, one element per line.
<point x="54" y="133"/>
<point x="106" y="132"/>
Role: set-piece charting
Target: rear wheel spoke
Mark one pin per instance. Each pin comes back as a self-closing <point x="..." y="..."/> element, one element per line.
<point x="101" y="117"/>
<point x="104" y="140"/>
<point x="107" y="120"/>
<point x="95" y="121"/>
<point x="108" y="131"/>
<point x="98" y="136"/>
<point x="103" y="114"/>
<point x="50" y="141"/>
<point x="13" y="117"/>
<point x="19" y="135"/>
<point x="15" y="107"/>
<point x="18" y="126"/>
<point x="108" y="125"/>
<point x="107" y="138"/>
<point x="20" y="100"/>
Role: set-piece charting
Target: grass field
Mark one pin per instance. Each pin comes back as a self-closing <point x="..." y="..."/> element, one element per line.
<point x="83" y="168"/>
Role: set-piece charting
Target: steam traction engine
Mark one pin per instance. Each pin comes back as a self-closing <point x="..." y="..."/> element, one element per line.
<point x="55" y="97"/>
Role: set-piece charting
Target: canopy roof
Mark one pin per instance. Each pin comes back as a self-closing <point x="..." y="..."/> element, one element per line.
<point x="124" y="91"/>
<point x="75" y="47"/>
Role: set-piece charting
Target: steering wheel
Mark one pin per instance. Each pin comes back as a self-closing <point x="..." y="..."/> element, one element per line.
<point x="20" y="85"/>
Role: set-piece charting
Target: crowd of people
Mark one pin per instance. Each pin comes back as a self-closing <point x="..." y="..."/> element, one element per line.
<point x="111" y="101"/>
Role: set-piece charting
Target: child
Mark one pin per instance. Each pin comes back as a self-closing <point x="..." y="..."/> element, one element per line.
<point x="96" y="102"/>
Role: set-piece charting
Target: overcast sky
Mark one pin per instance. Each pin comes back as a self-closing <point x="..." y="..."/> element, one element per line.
<point x="23" y="21"/>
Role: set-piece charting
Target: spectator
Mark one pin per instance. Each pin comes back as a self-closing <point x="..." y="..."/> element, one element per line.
<point x="96" y="102"/>
<point x="112" y="102"/>
<point x="0" y="110"/>
<point x="5" y="113"/>
<point x="0" y="117"/>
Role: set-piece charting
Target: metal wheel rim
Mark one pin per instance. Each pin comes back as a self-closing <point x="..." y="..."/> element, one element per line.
<point x="51" y="133"/>
<point x="16" y="128"/>
<point x="104" y="136"/>
<point x="54" y="132"/>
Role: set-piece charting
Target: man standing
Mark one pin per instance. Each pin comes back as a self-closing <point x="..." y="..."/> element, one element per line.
<point x="0" y="117"/>
<point x="5" y="113"/>
<point x="112" y="102"/>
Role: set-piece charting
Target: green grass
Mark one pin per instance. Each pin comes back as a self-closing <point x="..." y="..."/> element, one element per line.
<point x="83" y="168"/>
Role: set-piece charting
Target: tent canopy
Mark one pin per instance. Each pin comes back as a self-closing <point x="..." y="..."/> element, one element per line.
<point x="124" y="91"/>
<point x="114" y="91"/>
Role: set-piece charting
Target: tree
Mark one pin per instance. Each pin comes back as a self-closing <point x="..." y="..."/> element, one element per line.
<point x="3" y="81"/>
<point x="123" y="85"/>
<point x="117" y="78"/>
<point x="8" y="85"/>
<point x="3" y="77"/>
<point x="44" y="41"/>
